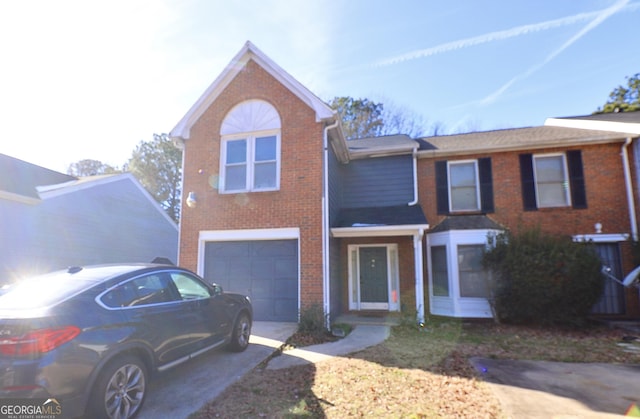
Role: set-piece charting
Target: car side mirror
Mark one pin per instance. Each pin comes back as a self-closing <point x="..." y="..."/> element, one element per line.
<point x="217" y="289"/>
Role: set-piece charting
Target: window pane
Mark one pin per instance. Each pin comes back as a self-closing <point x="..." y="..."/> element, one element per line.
<point x="236" y="151"/>
<point x="189" y="288"/>
<point x="264" y="175"/>
<point x="472" y="275"/>
<point x="464" y="199"/>
<point x="549" y="169"/>
<point x="551" y="194"/>
<point x="464" y="193"/>
<point x="440" y="271"/>
<point x="235" y="178"/>
<point x="463" y="174"/>
<point x="266" y="148"/>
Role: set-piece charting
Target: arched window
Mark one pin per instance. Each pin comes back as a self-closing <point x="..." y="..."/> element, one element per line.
<point x="250" y="148"/>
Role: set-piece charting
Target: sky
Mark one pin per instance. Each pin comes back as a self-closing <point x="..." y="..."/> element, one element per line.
<point x="91" y="79"/>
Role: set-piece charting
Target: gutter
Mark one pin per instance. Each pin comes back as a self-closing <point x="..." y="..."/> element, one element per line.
<point x="326" y="289"/>
<point x="629" y="189"/>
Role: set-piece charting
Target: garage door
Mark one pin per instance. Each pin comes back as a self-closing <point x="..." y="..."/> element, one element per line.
<point x="265" y="270"/>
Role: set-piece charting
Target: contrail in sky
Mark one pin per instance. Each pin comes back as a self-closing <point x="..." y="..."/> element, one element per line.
<point x="506" y="34"/>
<point x="599" y="17"/>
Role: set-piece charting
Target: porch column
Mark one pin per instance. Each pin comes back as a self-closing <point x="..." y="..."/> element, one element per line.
<point x="419" y="268"/>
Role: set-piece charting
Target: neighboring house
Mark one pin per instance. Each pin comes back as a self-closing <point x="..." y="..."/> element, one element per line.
<point x="287" y="211"/>
<point x="51" y="221"/>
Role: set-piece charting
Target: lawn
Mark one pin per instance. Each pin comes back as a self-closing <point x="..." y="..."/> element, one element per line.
<point x="414" y="374"/>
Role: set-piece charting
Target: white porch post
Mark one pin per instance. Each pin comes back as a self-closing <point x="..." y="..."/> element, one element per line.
<point x="419" y="268"/>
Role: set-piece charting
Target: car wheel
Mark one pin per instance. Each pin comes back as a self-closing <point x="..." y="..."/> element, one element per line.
<point x="120" y="390"/>
<point x="241" y="333"/>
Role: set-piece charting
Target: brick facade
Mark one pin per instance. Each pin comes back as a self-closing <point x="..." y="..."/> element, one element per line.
<point x="298" y="203"/>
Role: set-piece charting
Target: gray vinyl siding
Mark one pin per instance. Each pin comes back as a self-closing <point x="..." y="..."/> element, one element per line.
<point x="382" y="181"/>
<point x="335" y="186"/>
<point x="112" y="222"/>
<point x="335" y="273"/>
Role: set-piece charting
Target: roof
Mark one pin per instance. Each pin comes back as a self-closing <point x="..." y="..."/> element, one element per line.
<point x="381" y="216"/>
<point x="20" y="180"/>
<point x="530" y="138"/>
<point x="467" y="222"/>
<point x="617" y="121"/>
<point x="237" y="64"/>
<point x="381" y="146"/>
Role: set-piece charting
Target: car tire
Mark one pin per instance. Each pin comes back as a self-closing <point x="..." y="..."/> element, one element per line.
<point x="240" y="334"/>
<point x="120" y="390"/>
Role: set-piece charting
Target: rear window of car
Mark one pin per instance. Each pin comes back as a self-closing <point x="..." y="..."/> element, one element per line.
<point x="49" y="289"/>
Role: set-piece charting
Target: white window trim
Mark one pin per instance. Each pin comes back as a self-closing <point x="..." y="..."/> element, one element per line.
<point x="393" y="277"/>
<point x="477" y="178"/>
<point x="250" y="138"/>
<point x="454" y="305"/>
<point x="565" y="168"/>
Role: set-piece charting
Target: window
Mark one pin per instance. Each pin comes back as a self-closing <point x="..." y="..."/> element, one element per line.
<point x="188" y="287"/>
<point x="144" y="290"/>
<point x="471" y="273"/>
<point x="250" y="148"/>
<point x="553" y="180"/>
<point x="463" y="184"/>
<point x="251" y="164"/>
<point x="440" y="271"/>
<point x="552" y="185"/>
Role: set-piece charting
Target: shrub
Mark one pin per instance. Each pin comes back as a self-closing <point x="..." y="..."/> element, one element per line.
<point x="312" y="320"/>
<point x="543" y="279"/>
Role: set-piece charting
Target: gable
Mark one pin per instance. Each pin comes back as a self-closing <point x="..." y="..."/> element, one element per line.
<point x="249" y="53"/>
<point x="20" y="180"/>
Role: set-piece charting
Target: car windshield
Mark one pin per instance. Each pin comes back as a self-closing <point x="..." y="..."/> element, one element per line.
<point x="46" y="290"/>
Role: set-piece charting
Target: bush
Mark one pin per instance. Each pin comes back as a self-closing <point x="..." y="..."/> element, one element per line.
<point x="543" y="279"/>
<point x="312" y="320"/>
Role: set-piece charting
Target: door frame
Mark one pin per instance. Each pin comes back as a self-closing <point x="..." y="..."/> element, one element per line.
<point x="393" y="278"/>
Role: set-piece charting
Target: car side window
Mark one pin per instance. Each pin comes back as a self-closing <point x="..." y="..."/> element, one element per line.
<point x="145" y="290"/>
<point x="189" y="287"/>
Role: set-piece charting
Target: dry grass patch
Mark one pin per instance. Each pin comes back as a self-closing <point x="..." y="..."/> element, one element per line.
<point x="414" y="374"/>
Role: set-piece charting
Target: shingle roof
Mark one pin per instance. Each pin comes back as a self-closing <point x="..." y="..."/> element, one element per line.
<point x="381" y="216"/>
<point x="21" y="178"/>
<point x="626" y="117"/>
<point x="515" y="139"/>
<point x="467" y="222"/>
<point x="388" y="144"/>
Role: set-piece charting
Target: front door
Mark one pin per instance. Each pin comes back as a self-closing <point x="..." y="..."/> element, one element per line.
<point x="374" y="284"/>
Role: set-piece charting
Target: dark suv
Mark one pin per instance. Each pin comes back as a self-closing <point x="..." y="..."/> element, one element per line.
<point x="87" y="339"/>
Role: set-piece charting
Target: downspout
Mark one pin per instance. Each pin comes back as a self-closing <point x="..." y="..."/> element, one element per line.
<point x="414" y="154"/>
<point x="629" y="188"/>
<point x="419" y="267"/>
<point x="326" y="289"/>
<point x="179" y="143"/>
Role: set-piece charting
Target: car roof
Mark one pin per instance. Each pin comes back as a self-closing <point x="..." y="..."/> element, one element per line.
<point x="49" y="289"/>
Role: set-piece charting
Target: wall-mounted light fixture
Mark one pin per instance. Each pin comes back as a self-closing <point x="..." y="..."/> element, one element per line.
<point x="598" y="227"/>
<point x="191" y="200"/>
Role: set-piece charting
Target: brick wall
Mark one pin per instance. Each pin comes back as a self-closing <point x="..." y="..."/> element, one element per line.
<point x="298" y="203"/>
<point x="606" y="199"/>
<point x="606" y="196"/>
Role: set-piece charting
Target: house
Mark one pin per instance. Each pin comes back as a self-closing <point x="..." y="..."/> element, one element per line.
<point x="283" y="208"/>
<point x="51" y="220"/>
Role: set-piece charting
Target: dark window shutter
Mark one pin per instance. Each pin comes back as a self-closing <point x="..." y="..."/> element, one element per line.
<point x="576" y="179"/>
<point x="528" y="182"/>
<point x="442" y="187"/>
<point x="486" y="184"/>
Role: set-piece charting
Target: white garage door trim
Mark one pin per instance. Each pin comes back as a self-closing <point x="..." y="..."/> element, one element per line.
<point x="244" y="235"/>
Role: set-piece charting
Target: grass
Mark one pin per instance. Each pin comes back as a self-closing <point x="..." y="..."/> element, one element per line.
<point x="416" y="373"/>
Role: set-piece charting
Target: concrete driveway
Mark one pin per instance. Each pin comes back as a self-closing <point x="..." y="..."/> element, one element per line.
<point x="540" y="389"/>
<point x="185" y="389"/>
